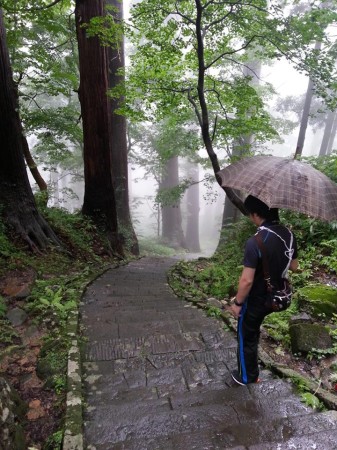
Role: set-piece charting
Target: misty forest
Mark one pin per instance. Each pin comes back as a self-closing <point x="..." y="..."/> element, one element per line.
<point x="115" y="118"/>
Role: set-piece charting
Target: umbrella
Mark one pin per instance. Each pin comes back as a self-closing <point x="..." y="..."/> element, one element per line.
<point x="284" y="183"/>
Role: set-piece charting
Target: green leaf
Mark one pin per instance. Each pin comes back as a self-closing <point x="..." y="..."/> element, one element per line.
<point x="311" y="400"/>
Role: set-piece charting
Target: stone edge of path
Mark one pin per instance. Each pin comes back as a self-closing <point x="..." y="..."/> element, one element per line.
<point x="73" y="426"/>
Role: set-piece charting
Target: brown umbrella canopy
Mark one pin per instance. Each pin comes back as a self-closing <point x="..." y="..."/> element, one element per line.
<point x="284" y="183"/>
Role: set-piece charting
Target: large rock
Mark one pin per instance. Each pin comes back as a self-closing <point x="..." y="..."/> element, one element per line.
<point x="305" y="337"/>
<point x="15" y="288"/>
<point x="17" y="317"/>
<point x="300" y="318"/>
<point x="319" y="299"/>
<point x="11" y="411"/>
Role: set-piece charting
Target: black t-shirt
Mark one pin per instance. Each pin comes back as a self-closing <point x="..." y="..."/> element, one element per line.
<point x="277" y="240"/>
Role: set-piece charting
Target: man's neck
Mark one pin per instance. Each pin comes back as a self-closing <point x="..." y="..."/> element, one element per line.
<point x="267" y="223"/>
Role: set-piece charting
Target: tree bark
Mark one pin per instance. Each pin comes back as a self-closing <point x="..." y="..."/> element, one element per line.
<point x="119" y="144"/>
<point x="327" y="135"/>
<point x="16" y="197"/>
<point x="305" y="114"/>
<point x="33" y="168"/>
<point x="193" y="208"/>
<point x="333" y="134"/>
<point x="99" y="197"/>
<point x="172" y="232"/>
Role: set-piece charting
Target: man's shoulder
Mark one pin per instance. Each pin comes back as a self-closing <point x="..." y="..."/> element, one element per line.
<point x="251" y="242"/>
<point x="279" y="229"/>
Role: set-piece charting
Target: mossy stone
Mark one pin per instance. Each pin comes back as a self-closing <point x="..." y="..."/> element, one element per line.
<point x="319" y="299"/>
<point x="305" y="337"/>
<point x="12" y="414"/>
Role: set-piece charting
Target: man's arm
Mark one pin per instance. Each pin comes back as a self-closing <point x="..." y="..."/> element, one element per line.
<point x="245" y="284"/>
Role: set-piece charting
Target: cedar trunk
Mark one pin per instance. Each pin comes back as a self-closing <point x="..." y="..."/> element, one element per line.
<point x="193" y="209"/>
<point x="327" y="135"/>
<point x="119" y="143"/>
<point x="16" y="198"/>
<point x="99" y="198"/>
<point x="172" y="232"/>
<point x="306" y="112"/>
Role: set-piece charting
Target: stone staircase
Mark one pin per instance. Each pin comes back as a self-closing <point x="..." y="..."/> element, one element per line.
<point x="156" y="375"/>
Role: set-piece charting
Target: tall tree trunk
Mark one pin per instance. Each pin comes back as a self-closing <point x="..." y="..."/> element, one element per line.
<point x="54" y="182"/>
<point x="32" y="166"/>
<point x="172" y="232"/>
<point x="16" y="197"/>
<point x="193" y="208"/>
<point x="306" y="112"/>
<point x="99" y="197"/>
<point x="327" y="135"/>
<point x="34" y="170"/>
<point x="333" y="134"/>
<point x="119" y="144"/>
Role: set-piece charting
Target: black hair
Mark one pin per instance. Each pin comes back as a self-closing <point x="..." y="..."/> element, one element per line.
<point x="255" y="205"/>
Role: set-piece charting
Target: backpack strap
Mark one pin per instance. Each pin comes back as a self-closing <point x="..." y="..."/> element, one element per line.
<point x="265" y="264"/>
<point x="289" y="249"/>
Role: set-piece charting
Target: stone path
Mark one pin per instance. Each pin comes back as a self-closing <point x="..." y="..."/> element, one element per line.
<point x="156" y="375"/>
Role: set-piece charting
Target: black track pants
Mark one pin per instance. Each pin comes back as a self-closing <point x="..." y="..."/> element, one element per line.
<point x="248" y="333"/>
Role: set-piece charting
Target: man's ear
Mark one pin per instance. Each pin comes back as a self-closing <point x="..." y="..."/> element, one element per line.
<point x="256" y="219"/>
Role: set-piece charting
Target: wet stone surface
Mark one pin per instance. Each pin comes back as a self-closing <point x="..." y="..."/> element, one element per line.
<point x="156" y="375"/>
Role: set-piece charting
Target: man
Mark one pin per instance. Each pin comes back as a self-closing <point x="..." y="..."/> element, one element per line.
<point x="249" y="303"/>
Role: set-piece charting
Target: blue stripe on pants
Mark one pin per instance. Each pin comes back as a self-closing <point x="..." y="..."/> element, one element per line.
<point x="241" y="356"/>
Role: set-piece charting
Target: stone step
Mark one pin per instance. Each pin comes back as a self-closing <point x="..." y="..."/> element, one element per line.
<point x="320" y="440"/>
<point x="134" y="386"/>
<point x="300" y="433"/>
<point x="115" y="314"/>
<point x="154" y="304"/>
<point x="123" y="421"/>
<point x="154" y="345"/>
<point x="104" y="327"/>
<point x="181" y="391"/>
<point x="109" y="426"/>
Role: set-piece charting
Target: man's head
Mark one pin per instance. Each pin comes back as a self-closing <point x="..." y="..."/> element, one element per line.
<point x="259" y="211"/>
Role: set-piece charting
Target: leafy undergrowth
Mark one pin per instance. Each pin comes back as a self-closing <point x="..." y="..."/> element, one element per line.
<point x="217" y="278"/>
<point x="42" y="289"/>
<point x="152" y="247"/>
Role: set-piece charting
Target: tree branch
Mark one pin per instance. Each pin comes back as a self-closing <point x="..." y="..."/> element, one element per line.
<point x="39" y="8"/>
<point x="231" y="3"/>
<point x="230" y="53"/>
<point x="221" y="19"/>
<point x="59" y="45"/>
<point x="188" y="19"/>
<point x="214" y="127"/>
<point x="192" y="101"/>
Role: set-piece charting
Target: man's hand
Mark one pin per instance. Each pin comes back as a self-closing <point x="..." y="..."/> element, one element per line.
<point x="236" y="310"/>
